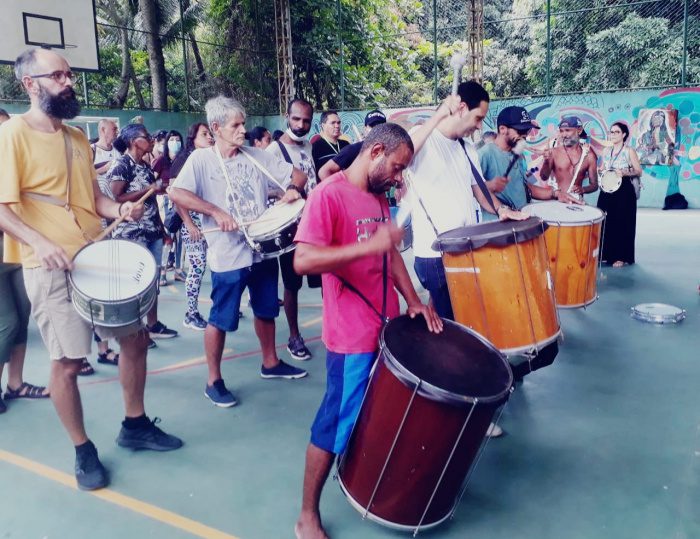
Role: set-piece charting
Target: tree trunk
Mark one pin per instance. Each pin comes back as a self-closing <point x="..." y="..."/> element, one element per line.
<point x="127" y="71"/>
<point x="156" y="61"/>
<point x="202" y="74"/>
<point x="137" y="90"/>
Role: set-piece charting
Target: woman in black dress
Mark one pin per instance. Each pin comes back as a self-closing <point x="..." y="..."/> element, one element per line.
<point x="621" y="205"/>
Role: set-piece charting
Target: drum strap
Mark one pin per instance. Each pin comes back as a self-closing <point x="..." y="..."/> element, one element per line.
<point x="55" y="201"/>
<point x="477" y="176"/>
<point x="385" y="284"/>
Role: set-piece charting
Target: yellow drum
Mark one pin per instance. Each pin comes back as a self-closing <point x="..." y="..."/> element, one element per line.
<point x="499" y="282"/>
<point x="573" y="244"/>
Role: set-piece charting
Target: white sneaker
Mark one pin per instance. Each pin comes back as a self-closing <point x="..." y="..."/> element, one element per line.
<point x="494" y="431"/>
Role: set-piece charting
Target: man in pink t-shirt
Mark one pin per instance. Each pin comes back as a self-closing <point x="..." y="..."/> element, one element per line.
<point x="345" y="235"/>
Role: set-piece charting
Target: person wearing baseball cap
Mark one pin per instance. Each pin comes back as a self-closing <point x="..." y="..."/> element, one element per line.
<point x="571" y="162"/>
<point x="504" y="168"/>
<point x="348" y="154"/>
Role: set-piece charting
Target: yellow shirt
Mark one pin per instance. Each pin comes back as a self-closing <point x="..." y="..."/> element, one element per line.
<point x="34" y="161"/>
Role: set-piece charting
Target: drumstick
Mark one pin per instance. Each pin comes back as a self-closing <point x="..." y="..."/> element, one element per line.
<point x="118" y="221"/>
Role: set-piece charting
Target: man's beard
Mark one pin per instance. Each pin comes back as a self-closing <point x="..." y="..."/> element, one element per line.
<point x="64" y="105"/>
<point x="297" y="135"/>
<point x="378" y="183"/>
<point x="570" y="141"/>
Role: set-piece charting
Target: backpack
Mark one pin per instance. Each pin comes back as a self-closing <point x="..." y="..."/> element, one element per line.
<point x="676" y="201"/>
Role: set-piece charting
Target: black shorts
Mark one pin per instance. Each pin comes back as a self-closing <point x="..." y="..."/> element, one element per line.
<point x="291" y="279"/>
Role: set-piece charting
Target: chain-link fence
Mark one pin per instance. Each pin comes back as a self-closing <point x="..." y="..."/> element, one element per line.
<point x="358" y="54"/>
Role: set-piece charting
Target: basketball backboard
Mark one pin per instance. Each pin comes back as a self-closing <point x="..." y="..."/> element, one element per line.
<point x="66" y="26"/>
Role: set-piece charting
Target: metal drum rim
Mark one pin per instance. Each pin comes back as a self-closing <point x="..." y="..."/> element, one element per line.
<point x="436" y="393"/>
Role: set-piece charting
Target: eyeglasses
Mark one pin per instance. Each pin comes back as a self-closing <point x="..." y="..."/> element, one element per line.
<point x="58" y="76"/>
<point x="615" y="132"/>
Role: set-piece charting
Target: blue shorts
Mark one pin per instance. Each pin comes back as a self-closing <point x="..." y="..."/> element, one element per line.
<point x="227" y="289"/>
<point x="156" y="249"/>
<point x="346" y="382"/>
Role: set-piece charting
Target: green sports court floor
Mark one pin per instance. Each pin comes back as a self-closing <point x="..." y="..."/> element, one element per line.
<point x="602" y="444"/>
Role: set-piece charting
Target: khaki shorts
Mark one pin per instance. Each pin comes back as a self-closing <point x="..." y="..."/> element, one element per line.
<point x="63" y="330"/>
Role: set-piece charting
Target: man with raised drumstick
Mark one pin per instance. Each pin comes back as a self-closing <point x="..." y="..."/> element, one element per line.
<point x="345" y="234"/>
<point x="228" y="183"/>
<point x="570" y="162"/>
<point x="51" y="204"/>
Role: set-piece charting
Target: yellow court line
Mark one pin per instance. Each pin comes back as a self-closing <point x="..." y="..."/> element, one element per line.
<point x="151" y="511"/>
<point x="188" y="362"/>
<point x="312" y="322"/>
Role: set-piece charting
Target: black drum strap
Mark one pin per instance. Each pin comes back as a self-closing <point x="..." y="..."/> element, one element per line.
<point x="477" y="176"/>
<point x="385" y="284"/>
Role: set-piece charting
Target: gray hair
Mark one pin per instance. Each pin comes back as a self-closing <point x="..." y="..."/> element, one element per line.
<point x="25" y="63"/>
<point x="220" y="108"/>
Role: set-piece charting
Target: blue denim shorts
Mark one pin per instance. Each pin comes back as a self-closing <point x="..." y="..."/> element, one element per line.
<point x="227" y="289"/>
<point x="156" y="248"/>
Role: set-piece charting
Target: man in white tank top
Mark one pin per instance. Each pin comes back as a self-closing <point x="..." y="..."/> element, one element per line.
<point x="104" y="153"/>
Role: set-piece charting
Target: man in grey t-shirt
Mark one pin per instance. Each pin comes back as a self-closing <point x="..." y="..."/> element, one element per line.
<point x="293" y="147"/>
<point x="227" y="187"/>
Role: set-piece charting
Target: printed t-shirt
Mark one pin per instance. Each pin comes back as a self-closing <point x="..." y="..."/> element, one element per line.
<point x="245" y="198"/>
<point x="339" y="213"/>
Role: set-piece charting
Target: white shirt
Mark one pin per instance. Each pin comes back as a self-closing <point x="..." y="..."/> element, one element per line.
<point x="442" y="178"/>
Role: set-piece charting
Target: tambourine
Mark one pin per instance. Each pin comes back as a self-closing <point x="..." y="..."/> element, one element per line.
<point x="609" y="181"/>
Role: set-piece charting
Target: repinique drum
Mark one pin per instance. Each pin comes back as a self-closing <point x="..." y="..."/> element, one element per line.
<point x="499" y="283"/>
<point x="422" y="424"/>
<point x="657" y="313"/>
<point x="272" y="234"/>
<point x="573" y="245"/>
<point x="113" y="282"/>
<point x="407" y="241"/>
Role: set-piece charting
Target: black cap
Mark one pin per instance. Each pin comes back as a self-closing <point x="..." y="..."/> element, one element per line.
<point x="515" y="117"/>
<point x="375" y="117"/>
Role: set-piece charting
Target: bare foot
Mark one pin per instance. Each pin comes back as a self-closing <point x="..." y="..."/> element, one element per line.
<point x="309" y="527"/>
<point x="618" y="264"/>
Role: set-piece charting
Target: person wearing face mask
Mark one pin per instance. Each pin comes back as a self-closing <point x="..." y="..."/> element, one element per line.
<point x="570" y="158"/>
<point x="345" y="234"/>
<point x="294" y="148"/>
<point x="504" y="169"/>
<point x="172" y="252"/>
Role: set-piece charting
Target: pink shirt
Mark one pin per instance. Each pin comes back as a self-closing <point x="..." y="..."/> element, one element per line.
<point x="338" y="213"/>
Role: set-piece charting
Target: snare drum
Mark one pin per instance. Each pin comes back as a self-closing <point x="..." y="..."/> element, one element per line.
<point x="657" y="313"/>
<point x="499" y="283"/>
<point x="573" y="244"/>
<point x="113" y="282"/>
<point x="429" y="402"/>
<point x="609" y="181"/>
<point x="272" y="234"/>
<point x="407" y="241"/>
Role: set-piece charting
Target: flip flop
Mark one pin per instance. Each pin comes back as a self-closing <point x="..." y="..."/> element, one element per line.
<point x="26" y="391"/>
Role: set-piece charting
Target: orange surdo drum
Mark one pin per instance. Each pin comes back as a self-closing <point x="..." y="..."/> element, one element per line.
<point x="499" y="283"/>
<point x="422" y="425"/>
<point x="573" y="244"/>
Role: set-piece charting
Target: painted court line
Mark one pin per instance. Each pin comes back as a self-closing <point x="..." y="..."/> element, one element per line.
<point x="137" y="506"/>
<point x="312" y="322"/>
<point x="188" y="363"/>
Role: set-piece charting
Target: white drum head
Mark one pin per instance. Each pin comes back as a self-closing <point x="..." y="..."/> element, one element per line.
<point x="554" y="212"/>
<point x="657" y="313"/>
<point x="609" y="181"/>
<point x="276" y="217"/>
<point x="113" y="270"/>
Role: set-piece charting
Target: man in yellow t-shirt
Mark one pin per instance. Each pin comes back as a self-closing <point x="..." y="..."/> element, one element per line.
<point x="52" y="207"/>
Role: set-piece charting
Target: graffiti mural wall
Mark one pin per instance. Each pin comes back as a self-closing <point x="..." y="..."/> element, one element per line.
<point x="598" y="112"/>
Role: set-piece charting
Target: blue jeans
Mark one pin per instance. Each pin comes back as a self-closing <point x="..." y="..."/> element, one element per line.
<point x="431" y="274"/>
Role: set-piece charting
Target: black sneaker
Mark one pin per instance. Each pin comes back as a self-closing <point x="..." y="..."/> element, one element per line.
<point x="297" y="349"/>
<point x="3" y="406"/>
<point x="195" y="321"/>
<point x="152" y="344"/>
<point x="150" y="437"/>
<point x="161" y="331"/>
<point x="89" y="472"/>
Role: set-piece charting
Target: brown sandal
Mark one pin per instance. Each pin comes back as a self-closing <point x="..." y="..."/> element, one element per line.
<point x="85" y="368"/>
